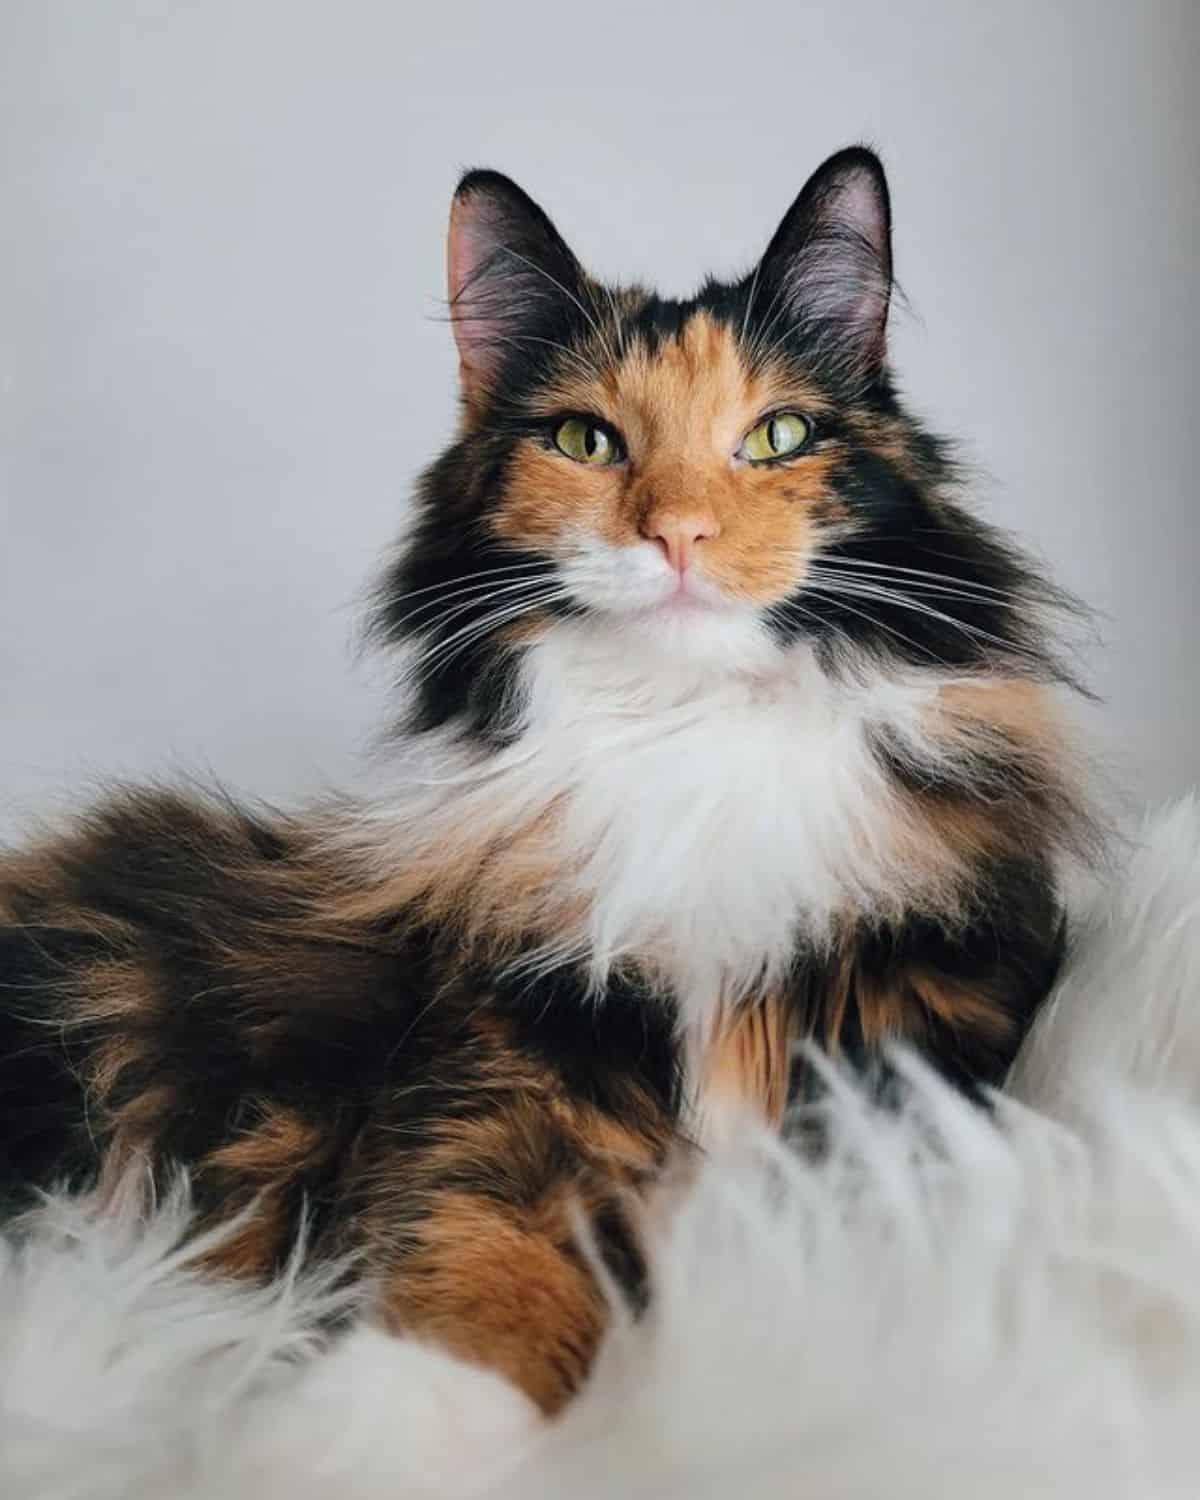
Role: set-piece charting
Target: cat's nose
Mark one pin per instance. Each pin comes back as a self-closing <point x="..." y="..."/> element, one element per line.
<point x="678" y="535"/>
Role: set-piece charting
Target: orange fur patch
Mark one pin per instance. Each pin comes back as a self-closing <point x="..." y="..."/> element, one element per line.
<point x="497" y="1271"/>
<point x="255" y="1171"/>
<point x="683" y="410"/>
<point x="258" y="1247"/>
<point x="749" y="1057"/>
<point x="500" y="1292"/>
<point x="1016" y="717"/>
<point x="1018" y="707"/>
<point x="902" y="1003"/>
<point x="279" y="1145"/>
<point x="495" y="884"/>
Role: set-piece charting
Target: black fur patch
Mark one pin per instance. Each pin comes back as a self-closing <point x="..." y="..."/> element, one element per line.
<point x="1006" y="952"/>
<point x="254" y="1005"/>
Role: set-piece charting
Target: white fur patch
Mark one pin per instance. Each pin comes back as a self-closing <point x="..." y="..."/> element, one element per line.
<point x="709" y="806"/>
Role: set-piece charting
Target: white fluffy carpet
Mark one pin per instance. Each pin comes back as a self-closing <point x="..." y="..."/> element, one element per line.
<point x="948" y="1306"/>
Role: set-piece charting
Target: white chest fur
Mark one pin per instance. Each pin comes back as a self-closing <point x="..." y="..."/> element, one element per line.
<point x="704" y="819"/>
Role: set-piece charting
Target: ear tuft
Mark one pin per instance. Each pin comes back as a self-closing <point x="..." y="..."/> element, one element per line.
<point x="505" y="262"/>
<point x="830" y="262"/>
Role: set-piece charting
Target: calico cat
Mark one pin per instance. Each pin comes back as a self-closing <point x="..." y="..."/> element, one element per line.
<point x="722" y="724"/>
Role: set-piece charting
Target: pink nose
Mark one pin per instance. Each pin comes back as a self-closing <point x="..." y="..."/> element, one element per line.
<point x="678" y="535"/>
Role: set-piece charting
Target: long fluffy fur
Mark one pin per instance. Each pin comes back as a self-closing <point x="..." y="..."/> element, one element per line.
<point x="705" y="748"/>
<point x="948" y="1304"/>
<point x="693" y="814"/>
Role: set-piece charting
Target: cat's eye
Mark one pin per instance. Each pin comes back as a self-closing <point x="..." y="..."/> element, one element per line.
<point x="586" y="441"/>
<point x="778" y="436"/>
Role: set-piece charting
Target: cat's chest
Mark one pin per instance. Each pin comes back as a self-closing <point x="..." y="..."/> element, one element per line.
<point x="712" y="833"/>
<point x="701" y="828"/>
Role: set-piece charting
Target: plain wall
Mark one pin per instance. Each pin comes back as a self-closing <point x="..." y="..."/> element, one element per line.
<point x="221" y="235"/>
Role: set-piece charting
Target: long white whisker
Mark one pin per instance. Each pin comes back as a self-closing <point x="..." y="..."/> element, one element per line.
<point x="473" y="592"/>
<point x="594" y="289"/>
<point x="617" y="321"/>
<point x="939" y="590"/>
<point x="781" y="608"/>
<point x="453" y="645"/>
<point x="477" y="631"/>
<point x="525" y="598"/>
<point x="466" y="577"/>
<point x="899" y="635"/>
<point x="777" y="308"/>
<point x="750" y="301"/>
<point x="866" y="564"/>
<point x="903" y="601"/>
<point x="888" y="596"/>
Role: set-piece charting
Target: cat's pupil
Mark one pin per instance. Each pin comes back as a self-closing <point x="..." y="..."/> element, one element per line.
<point x="773" y="436"/>
<point x="589" y="441"/>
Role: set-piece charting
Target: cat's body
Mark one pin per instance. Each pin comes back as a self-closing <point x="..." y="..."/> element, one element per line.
<point x="180" y="989"/>
<point x="724" y="725"/>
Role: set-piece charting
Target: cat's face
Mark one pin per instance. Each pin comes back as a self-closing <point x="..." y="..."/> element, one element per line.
<point x="683" y="480"/>
<point x="716" y="479"/>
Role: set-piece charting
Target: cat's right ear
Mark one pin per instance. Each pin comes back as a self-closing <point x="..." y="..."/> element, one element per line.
<point x="830" y="263"/>
<point x="506" y="265"/>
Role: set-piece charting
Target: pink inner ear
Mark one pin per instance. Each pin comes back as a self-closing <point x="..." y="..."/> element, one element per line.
<point x="463" y="258"/>
<point x="842" y="274"/>
<point x="858" y="204"/>
<point x="474" y="315"/>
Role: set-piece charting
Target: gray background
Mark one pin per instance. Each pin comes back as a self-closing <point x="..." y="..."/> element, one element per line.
<point x="221" y="232"/>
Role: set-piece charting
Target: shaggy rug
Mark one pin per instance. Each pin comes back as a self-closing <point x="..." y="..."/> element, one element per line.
<point x="946" y="1305"/>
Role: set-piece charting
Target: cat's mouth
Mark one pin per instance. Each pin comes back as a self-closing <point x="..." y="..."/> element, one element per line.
<point x="636" y="583"/>
<point x="691" y="608"/>
<point x="694" y="592"/>
<point x="684" y="597"/>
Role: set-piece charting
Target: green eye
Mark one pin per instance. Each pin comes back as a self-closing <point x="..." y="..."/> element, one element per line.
<point x="586" y="442"/>
<point x="776" y="437"/>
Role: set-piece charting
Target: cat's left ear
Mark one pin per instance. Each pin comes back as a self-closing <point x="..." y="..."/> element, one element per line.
<point x="507" y="271"/>
<point x="830" y="263"/>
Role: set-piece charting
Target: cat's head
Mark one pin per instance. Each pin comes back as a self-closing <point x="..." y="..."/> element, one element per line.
<point x="713" y="481"/>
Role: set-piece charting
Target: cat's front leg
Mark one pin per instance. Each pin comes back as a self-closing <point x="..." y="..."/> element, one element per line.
<point x="507" y="1235"/>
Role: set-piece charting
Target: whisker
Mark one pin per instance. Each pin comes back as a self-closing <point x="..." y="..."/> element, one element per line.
<point x="750" y="301"/>
<point x="888" y="596"/>
<point x="593" y="289"/>
<point x="589" y="367"/>
<point x="780" y="608"/>
<point x="471" y="635"/>
<point x="566" y="291"/>
<point x="466" y="577"/>
<point x="618" y="321"/>
<point x="776" y="309"/>
<point x="523" y="596"/>
<point x="473" y="592"/>
<point x="904" y="601"/>
<point x="1037" y="588"/>
<point x="869" y="565"/>
<point x="445" y="650"/>
<point x="939" y="590"/>
<point x="905" y="640"/>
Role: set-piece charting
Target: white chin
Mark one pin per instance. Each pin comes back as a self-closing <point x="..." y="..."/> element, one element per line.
<point x="633" y="601"/>
<point x="682" y="630"/>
